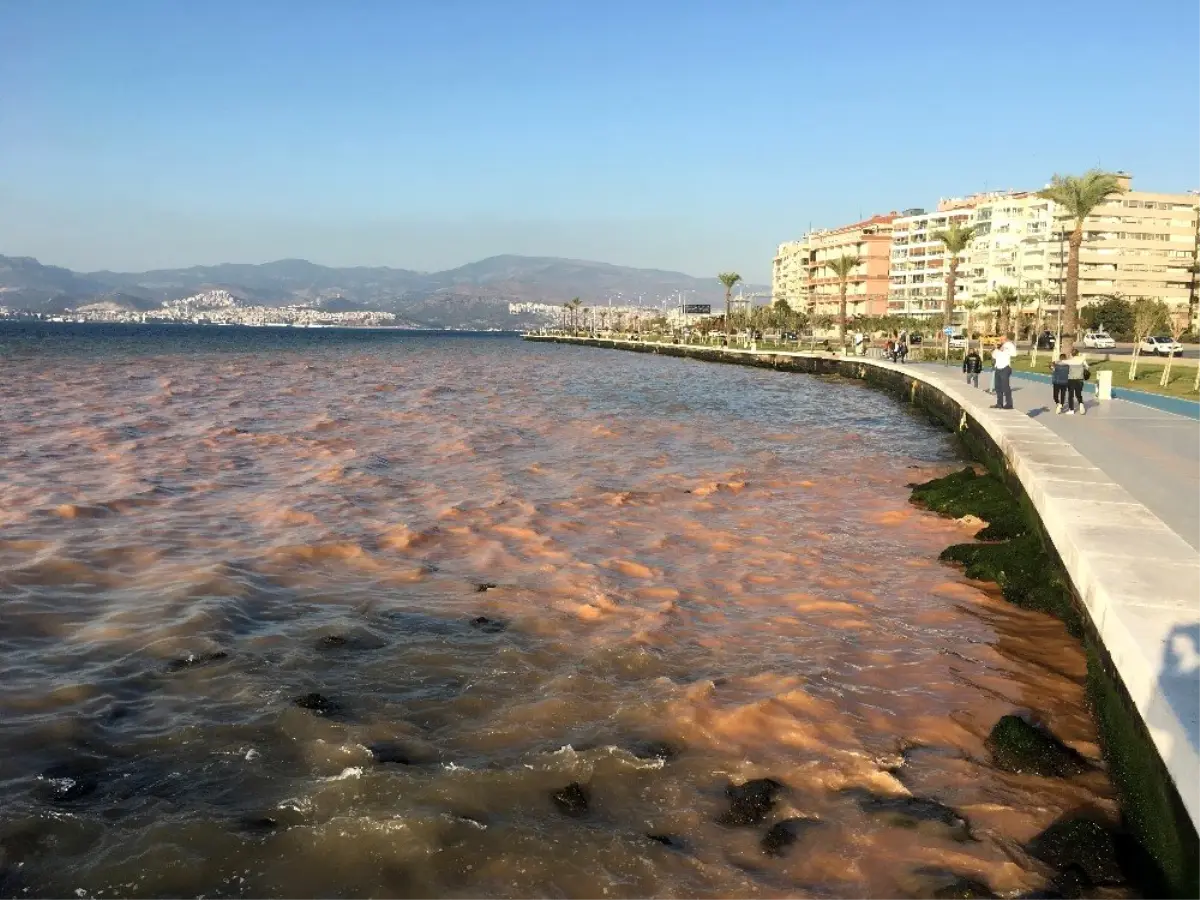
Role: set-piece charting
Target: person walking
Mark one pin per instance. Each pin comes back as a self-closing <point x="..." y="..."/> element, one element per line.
<point x="1077" y="374"/>
<point x="902" y="350"/>
<point x="1058" y="381"/>
<point x="973" y="365"/>
<point x="1002" y="377"/>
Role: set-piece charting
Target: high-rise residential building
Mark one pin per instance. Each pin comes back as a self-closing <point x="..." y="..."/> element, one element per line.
<point x="917" y="279"/>
<point x="1138" y="244"/>
<point x="789" y="274"/>
<point x="803" y="276"/>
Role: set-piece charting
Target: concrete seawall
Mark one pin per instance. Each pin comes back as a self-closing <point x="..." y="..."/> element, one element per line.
<point x="1135" y="580"/>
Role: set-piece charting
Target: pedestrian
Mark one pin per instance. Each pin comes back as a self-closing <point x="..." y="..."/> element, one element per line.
<point x="902" y="350"/>
<point x="973" y="365"/>
<point x="1058" y="381"/>
<point x="1077" y="374"/>
<point x="890" y="350"/>
<point x="858" y="343"/>
<point x="1002" y="377"/>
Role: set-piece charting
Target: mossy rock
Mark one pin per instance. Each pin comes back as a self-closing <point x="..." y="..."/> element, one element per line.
<point x="1080" y="845"/>
<point x="1025" y="573"/>
<point x="966" y="493"/>
<point x="1021" y="747"/>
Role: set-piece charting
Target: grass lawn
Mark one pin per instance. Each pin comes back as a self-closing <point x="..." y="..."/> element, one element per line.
<point x="1148" y="374"/>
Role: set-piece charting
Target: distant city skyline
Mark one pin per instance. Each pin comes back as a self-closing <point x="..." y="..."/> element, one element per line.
<point x="677" y="136"/>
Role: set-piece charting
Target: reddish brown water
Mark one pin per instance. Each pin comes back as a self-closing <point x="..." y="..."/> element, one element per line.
<point x="721" y="559"/>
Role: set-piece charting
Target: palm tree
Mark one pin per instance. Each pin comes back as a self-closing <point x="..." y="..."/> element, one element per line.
<point x="1078" y="196"/>
<point x="729" y="279"/>
<point x="574" y="307"/>
<point x="842" y="267"/>
<point x="1003" y="299"/>
<point x="956" y="238"/>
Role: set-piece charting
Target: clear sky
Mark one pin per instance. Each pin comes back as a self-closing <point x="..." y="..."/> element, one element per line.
<point x="684" y="135"/>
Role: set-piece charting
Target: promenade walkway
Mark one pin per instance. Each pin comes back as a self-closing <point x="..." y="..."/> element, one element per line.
<point x="1154" y="455"/>
<point x="1117" y="494"/>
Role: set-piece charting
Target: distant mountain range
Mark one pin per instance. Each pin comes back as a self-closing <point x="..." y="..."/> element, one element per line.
<point x="474" y="295"/>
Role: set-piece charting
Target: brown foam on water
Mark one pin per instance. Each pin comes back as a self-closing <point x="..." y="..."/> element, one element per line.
<point x="477" y="567"/>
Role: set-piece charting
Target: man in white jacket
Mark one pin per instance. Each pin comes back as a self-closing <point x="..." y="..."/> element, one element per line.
<point x="1002" y="358"/>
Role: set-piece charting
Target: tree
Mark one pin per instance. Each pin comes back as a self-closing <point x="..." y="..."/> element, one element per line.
<point x="729" y="279"/>
<point x="574" y="307"/>
<point x="1149" y="316"/>
<point x="1114" y="313"/>
<point x="1078" y="196"/>
<point x="1003" y="298"/>
<point x="842" y="267"/>
<point x="1177" y="321"/>
<point x="970" y="306"/>
<point x="956" y="238"/>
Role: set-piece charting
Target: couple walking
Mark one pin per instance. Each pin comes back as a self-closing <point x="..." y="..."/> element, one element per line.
<point x="1067" y="378"/>
<point x="1002" y="358"/>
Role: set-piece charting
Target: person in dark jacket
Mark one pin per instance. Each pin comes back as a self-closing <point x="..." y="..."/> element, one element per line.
<point x="1059" y="372"/>
<point x="973" y="365"/>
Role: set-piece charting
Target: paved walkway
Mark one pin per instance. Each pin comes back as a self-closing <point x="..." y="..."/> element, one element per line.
<point x="1153" y="455"/>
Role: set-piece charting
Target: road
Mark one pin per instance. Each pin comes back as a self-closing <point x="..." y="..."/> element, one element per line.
<point x="1191" y="352"/>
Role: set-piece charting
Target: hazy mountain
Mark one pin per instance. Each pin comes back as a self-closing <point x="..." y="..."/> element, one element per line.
<point x="476" y="294"/>
<point x="27" y="284"/>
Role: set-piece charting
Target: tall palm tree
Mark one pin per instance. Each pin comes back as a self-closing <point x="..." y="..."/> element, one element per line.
<point x="842" y="267"/>
<point x="729" y="279"/>
<point x="970" y="306"/>
<point x="956" y="239"/>
<point x="574" y="306"/>
<point x="1078" y="196"/>
<point x="1003" y="299"/>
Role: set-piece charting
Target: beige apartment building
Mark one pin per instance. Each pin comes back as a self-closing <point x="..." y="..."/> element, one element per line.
<point x="1136" y="245"/>
<point x="789" y="274"/>
<point x="917" y="278"/>
<point x="802" y="276"/>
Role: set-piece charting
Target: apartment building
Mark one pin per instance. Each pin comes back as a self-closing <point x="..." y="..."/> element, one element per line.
<point x="789" y="274"/>
<point x="919" y="263"/>
<point x="802" y="275"/>
<point x="1138" y="244"/>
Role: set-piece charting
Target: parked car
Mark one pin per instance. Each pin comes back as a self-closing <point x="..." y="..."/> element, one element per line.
<point x="1098" y="340"/>
<point x="1046" y="340"/>
<point x="914" y="340"/>
<point x="1161" y="346"/>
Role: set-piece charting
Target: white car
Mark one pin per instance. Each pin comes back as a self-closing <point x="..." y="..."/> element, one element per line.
<point x="1098" y="340"/>
<point x="1161" y="345"/>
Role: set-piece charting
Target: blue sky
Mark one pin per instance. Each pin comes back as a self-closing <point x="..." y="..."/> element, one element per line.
<point x="681" y="135"/>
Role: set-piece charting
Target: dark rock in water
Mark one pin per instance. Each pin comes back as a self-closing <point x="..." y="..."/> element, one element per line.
<point x="389" y="752"/>
<point x="1079" y="843"/>
<point x="749" y="803"/>
<point x="914" y="812"/>
<point x="259" y="823"/>
<point x="654" y="750"/>
<point x="668" y="840"/>
<point x="331" y="641"/>
<point x="317" y="703"/>
<point x="485" y="586"/>
<point x="488" y="626"/>
<point x="964" y="889"/>
<point x="571" y="800"/>
<point x="783" y="834"/>
<point x="69" y="781"/>
<point x="193" y="660"/>
<point x="1022" y="747"/>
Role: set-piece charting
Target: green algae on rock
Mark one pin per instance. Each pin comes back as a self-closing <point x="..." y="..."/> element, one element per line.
<point x="1021" y="747"/>
<point x="966" y="493"/>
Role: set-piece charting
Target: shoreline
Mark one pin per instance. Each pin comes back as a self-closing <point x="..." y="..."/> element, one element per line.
<point x="1145" y="711"/>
